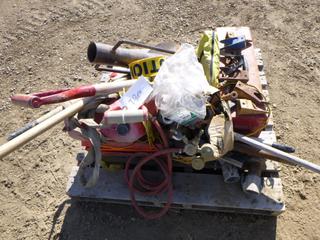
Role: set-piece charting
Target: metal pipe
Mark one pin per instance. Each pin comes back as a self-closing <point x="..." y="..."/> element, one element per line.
<point x="278" y="153"/>
<point x="101" y="53"/>
<point x="251" y="151"/>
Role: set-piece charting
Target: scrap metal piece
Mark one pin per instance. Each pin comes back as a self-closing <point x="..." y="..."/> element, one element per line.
<point x="230" y="96"/>
<point x="249" y="92"/>
<point x="239" y="75"/>
<point x="247" y="107"/>
<point x="235" y="63"/>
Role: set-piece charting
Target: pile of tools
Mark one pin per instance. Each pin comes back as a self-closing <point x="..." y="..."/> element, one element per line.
<point x="137" y="119"/>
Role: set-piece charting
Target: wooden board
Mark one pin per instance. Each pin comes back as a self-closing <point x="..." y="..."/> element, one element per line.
<point x="191" y="191"/>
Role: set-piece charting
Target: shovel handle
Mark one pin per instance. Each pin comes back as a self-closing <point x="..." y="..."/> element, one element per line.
<point x="26" y="100"/>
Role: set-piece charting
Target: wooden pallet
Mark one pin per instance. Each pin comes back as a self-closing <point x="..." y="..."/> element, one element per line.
<point x="194" y="190"/>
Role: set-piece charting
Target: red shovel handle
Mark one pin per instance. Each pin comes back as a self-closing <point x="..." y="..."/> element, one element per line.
<point x="54" y="96"/>
<point x="26" y="100"/>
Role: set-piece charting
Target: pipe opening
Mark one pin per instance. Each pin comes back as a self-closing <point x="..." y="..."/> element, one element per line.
<point x="92" y="52"/>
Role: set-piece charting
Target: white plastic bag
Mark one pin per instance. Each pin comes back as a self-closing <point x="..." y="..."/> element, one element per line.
<point x="179" y="87"/>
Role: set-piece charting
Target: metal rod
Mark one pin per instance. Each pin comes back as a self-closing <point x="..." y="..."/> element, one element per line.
<point x="109" y="69"/>
<point x="252" y="151"/>
<point x="278" y="153"/>
<point x="141" y="45"/>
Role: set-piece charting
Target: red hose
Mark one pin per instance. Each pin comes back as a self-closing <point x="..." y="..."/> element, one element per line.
<point x="138" y="183"/>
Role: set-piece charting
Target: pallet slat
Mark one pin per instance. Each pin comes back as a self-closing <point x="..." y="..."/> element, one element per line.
<point x="194" y="191"/>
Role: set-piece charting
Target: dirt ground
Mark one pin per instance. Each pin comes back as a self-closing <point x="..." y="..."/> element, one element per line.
<point x="43" y="46"/>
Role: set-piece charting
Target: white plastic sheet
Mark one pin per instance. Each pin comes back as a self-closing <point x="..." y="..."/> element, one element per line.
<point x="179" y="87"/>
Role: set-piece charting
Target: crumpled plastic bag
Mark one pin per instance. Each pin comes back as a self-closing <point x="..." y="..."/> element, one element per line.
<point x="179" y="87"/>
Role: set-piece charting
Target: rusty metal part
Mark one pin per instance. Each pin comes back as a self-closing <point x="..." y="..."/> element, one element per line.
<point x="247" y="107"/>
<point x="232" y="64"/>
<point x="240" y="75"/>
<point x="155" y="48"/>
<point x="230" y="96"/>
<point x="215" y="99"/>
<point x="248" y="53"/>
<point x="249" y="92"/>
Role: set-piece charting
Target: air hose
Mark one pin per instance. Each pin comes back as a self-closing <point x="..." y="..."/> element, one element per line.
<point x="137" y="183"/>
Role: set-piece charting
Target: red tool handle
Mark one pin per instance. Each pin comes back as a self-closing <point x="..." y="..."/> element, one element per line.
<point x="25" y="100"/>
<point x="55" y="96"/>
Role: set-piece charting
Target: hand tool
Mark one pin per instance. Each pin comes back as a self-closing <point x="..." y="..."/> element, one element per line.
<point x="34" y="123"/>
<point x="27" y="136"/>
<point x="57" y="96"/>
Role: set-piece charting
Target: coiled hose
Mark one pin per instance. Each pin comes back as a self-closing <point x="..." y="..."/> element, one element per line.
<point x="137" y="183"/>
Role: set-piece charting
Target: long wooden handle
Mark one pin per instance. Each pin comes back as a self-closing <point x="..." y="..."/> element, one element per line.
<point x="278" y="153"/>
<point x="25" y="137"/>
<point x="101" y="89"/>
<point x="34" y="123"/>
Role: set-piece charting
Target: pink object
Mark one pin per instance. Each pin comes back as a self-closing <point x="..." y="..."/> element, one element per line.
<point x="123" y="132"/>
<point x="128" y="133"/>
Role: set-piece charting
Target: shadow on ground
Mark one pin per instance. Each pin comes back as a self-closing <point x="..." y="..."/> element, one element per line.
<point x="92" y="220"/>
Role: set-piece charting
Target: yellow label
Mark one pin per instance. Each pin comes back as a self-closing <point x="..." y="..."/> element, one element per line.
<point x="147" y="67"/>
